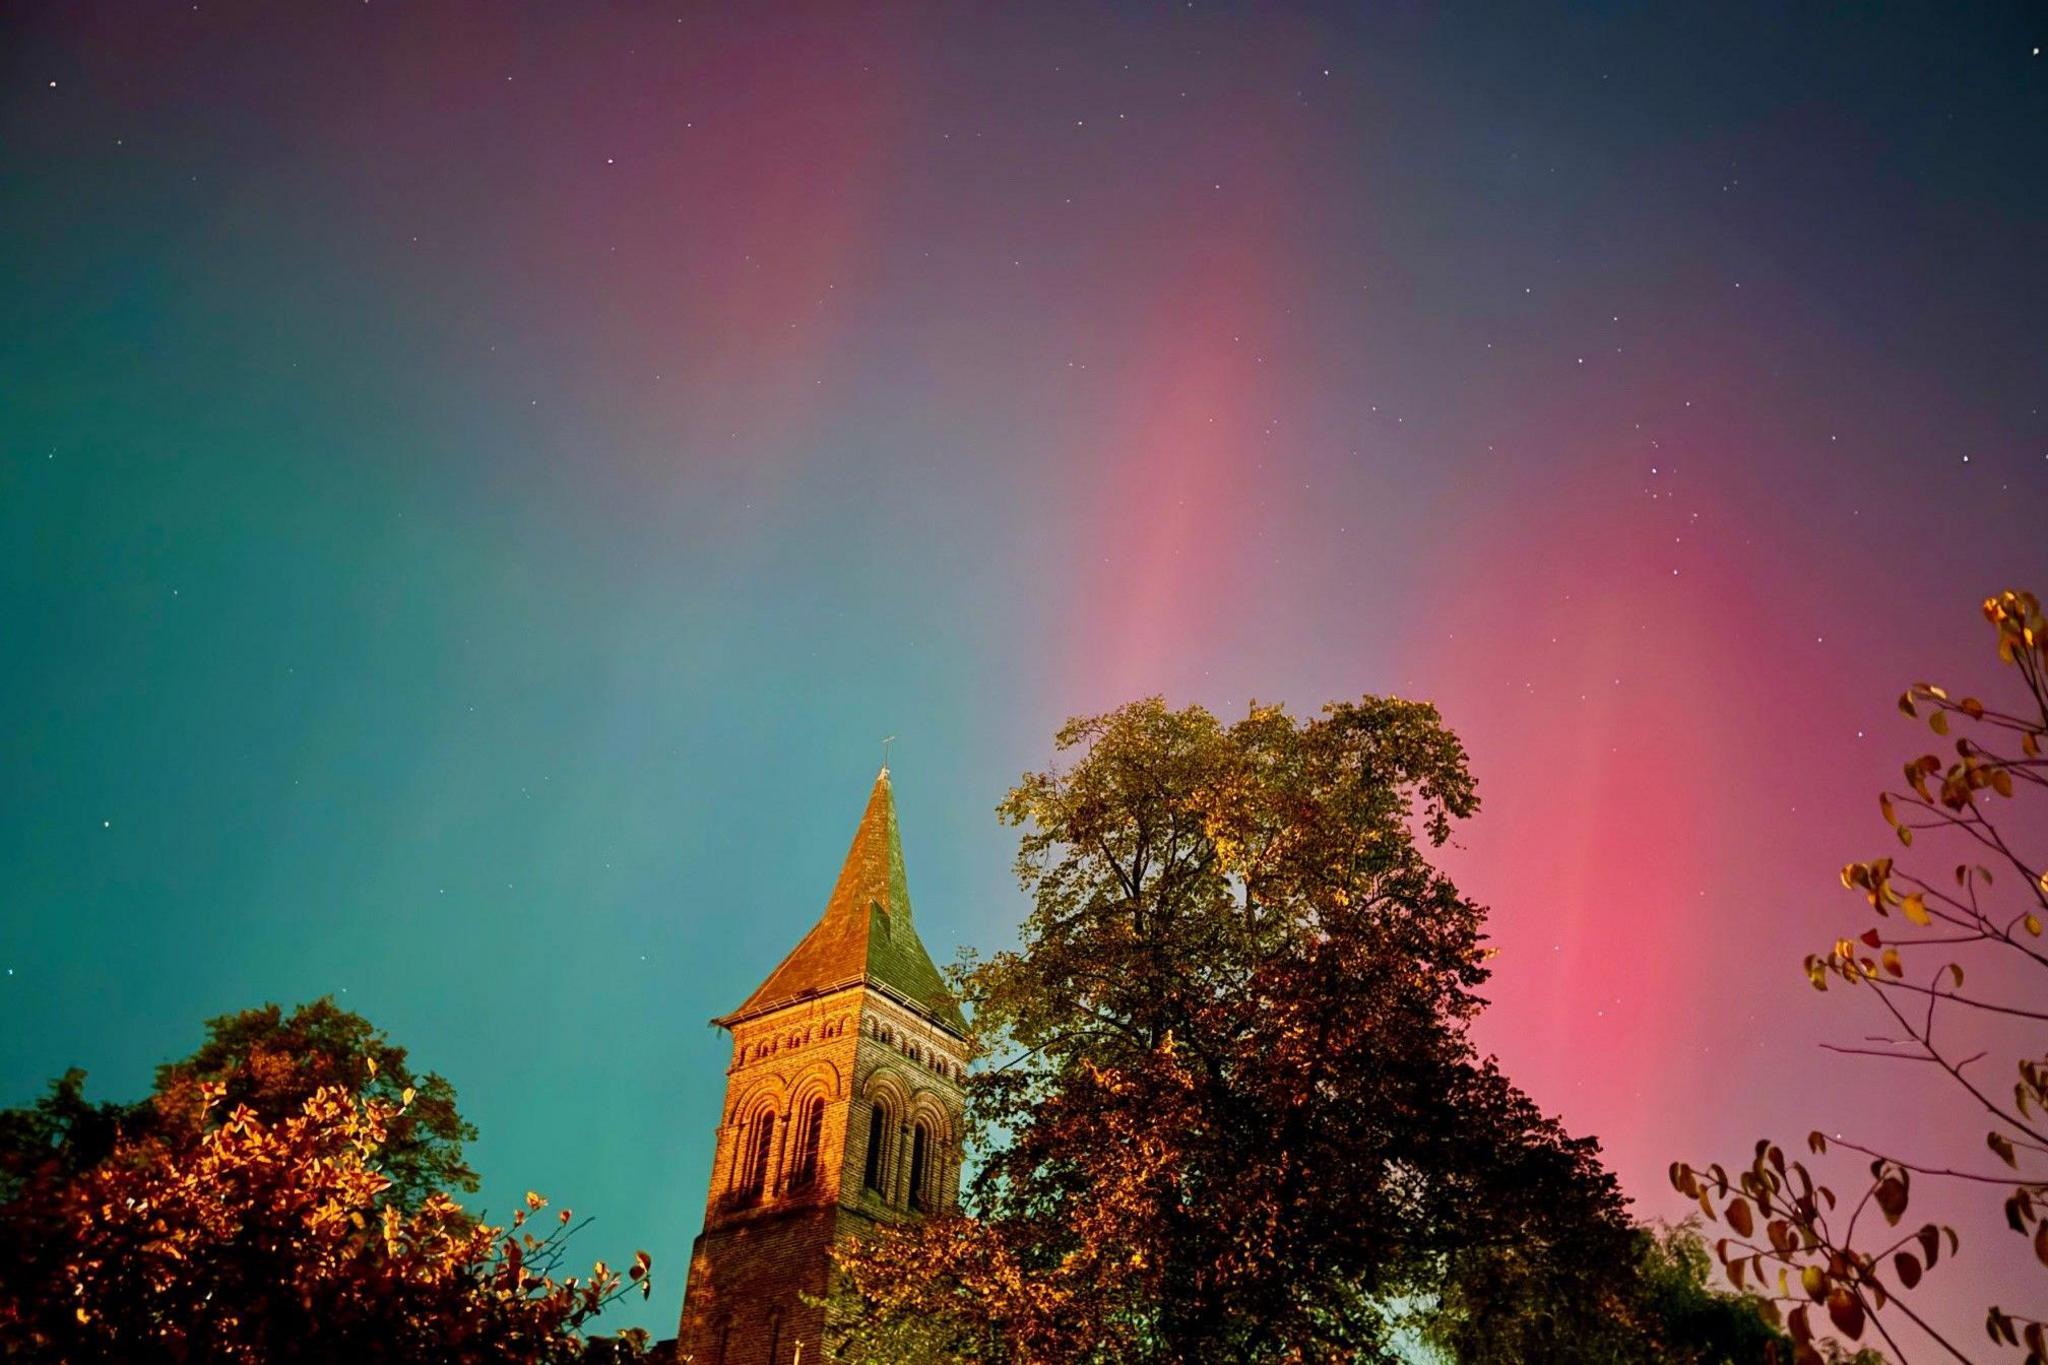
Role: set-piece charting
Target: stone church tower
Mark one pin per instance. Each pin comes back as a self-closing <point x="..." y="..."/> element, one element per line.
<point x="842" y="1110"/>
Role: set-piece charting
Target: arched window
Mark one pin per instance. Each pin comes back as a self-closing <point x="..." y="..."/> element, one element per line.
<point x="920" y="1167"/>
<point x="760" y="1147"/>
<point x="875" y="1174"/>
<point x="810" y="1128"/>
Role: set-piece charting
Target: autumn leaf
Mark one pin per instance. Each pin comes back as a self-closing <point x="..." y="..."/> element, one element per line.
<point x="1891" y="1197"/>
<point x="2002" y="1145"/>
<point x="1845" y="1310"/>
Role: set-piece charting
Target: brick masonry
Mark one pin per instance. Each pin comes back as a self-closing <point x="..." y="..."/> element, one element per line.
<point x="772" y="1216"/>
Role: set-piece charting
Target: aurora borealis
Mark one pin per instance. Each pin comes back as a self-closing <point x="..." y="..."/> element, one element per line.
<point x="478" y="483"/>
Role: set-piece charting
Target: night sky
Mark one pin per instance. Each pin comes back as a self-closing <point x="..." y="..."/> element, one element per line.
<point x="479" y="482"/>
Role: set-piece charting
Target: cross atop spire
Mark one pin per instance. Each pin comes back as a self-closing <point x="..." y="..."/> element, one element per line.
<point x="865" y="934"/>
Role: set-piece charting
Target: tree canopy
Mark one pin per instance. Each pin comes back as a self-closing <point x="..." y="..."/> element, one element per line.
<point x="282" y="1196"/>
<point x="1229" y="1109"/>
<point x="272" y="1063"/>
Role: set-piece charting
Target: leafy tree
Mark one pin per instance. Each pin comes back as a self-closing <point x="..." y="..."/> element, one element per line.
<point x="1671" y="1313"/>
<point x="281" y="1196"/>
<point x="274" y="1063"/>
<point x="1691" y="1319"/>
<point x="1791" y="1235"/>
<point x="276" y="1242"/>
<point x="271" y="1062"/>
<point x="1233" y="1112"/>
<point x="57" y="1137"/>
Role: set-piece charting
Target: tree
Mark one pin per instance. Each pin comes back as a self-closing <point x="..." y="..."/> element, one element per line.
<point x="1232" y="1112"/>
<point x="1671" y="1314"/>
<point x="57" y="1137"/>
<point x="275" y="1242"/>
<point x="1791" y="1234"/>
<point x="271" y="1063"/>
<point x="274" y="1064"/>
<point x="276" y="1199"/>
<point x="1690" y="1319"/>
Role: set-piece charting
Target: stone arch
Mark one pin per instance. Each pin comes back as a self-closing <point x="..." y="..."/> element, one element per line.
<point x="888" y="1108"/>
<point x="823" y="1072"/>
<point x="755" y="1137"/>
<point x="805" y="1166"/>
<point x="887" y="1082"/>
<point x="768" y="1087"/>
<point x="929" y="1156"/>
<point x="926" y="1105"/>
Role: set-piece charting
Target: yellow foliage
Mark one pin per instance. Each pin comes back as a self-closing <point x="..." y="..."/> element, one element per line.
<point x="227" y="1250"/>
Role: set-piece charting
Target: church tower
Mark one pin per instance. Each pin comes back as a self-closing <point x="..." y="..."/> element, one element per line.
<point x="842" y="1111"/>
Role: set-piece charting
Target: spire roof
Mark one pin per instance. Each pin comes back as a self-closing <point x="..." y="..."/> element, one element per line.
<point x="865" y="933"/>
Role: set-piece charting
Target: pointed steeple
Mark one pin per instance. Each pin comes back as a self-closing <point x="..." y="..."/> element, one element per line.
<point x="865" y="933"/>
